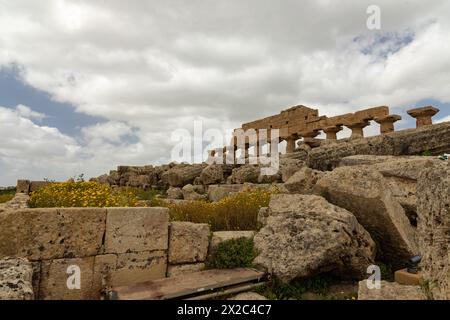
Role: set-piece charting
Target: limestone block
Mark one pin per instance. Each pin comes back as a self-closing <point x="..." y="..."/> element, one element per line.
<point x="305" y="235"/>
<point x="390" y="291"/>
<point x="136" y="229"/>
<point x="190" y="193"/>
<point x="246" y="173"/>
<point x="139" y="267"/>
<point x="188" y="242"/>
<point x="174" y="193"/>
<point x="176" y="270"/>
<point x="104" y="266"/>
<point x="16" y="279"/>
<point x="181" y="175"/>
<point x="36" y="185"/>
<point x="23" y="186"/>
<point x="288" y="167"/>
<point x="364" y="192"/>
<point x="43" y="234"/>
<point x="57" y="274"/>
<point x="433" y="192"/>
<point x="303" y="181"/>
<point x="212" y="174"/>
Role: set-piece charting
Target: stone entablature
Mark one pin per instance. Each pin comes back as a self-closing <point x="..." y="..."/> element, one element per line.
<point x="302" y="122"/>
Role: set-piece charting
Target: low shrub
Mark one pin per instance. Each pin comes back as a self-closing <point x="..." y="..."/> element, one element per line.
<point x="238" y="211"/>
<point x="278" y="290"/>
<point x="7" y="194"/>
<point x="81" y="194"/>
<point x="142" y="194"/>
<point x="234" y="253"/>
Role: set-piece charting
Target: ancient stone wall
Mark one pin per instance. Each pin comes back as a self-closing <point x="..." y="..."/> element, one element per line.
<point x="110" y="246"/>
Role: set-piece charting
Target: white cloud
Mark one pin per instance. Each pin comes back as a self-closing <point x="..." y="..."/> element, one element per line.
<point x="26" y="112"/>
<point x="150" y="67"/>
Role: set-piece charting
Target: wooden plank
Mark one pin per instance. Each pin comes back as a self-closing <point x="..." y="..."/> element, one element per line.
<point x="183" y="285"/>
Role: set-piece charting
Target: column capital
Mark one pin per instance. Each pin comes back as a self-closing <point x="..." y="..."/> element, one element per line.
<point x="428" y="111"/>
<point x="387" y="123"/>
<point x="388" y="118"/>
<point x="309" y="134"/>
<point x="357" y="128"/>
<point x="331" y="131"/>
<point x="423" y="115"/>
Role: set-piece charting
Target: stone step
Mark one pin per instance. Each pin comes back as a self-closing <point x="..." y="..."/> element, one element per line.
<point x="188" y="285"/>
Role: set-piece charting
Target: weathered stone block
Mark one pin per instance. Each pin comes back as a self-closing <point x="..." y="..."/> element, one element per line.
<point x="433" y="191"/>
<point x="104" y="266"/>
<point x="16" y="279"/>
<point x="305" y="235"/>
<point x="139" y="267"/>
<point x="188" y="242"/>
<point x="176" y="270"/>
<point x="43" y="234"/>
<point x="23" y="186"/>
<point x="303" y="181"/>
<point x="57" y="274"/>
<point x="390" y="291"/>
<point x="136" y="229"/>
<point x="174" y="193"/>
<point x="37" y="185"/>
<point x="364" y="192"/>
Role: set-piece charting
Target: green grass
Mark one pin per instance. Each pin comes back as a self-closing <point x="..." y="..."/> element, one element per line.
<point x="234" y="253"/>
<point x="278" y="290"/>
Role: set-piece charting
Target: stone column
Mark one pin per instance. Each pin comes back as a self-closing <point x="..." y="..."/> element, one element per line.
<point x="332" y="131"/>
<point x="423" y="115"/>
<point x="387" y="123"/>
<point x="290" y="146"/>
<point x="357" y="128"/>
<point x="245" y="152"/>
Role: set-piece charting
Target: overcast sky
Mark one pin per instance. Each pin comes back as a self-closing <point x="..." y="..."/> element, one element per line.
<point x="89" y="85"/>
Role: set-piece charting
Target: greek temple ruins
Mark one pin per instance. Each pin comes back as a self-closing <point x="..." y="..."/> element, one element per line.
<point x="301" y="122"/>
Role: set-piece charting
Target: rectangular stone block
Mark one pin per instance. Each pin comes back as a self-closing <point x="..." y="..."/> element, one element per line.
<point x="57" y="274"/>
<point x="23" y="186"/>
<point x="408" y="279"/>
<point x="36" y="185"/>
<point x="139" y="267"/>
<point x="44" y="234"/>
<point x="15" y="279"/>
<point x="177" y="270"/>
<point x="136" y="229"/>
<point x="104" y="266"/>
<point x="189" y="242"/>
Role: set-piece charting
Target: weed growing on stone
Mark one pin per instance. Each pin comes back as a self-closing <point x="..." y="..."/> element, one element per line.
<point x="296" y="289"/>
<point x="234" y="253"/>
